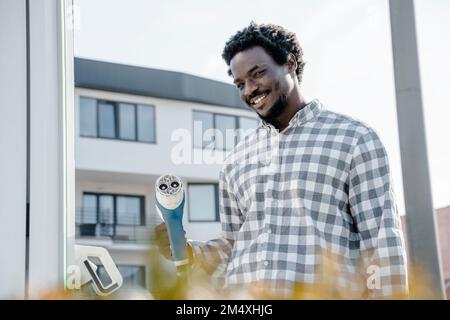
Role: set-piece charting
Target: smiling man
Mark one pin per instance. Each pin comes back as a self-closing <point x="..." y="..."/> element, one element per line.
<point x="306" y="201"/>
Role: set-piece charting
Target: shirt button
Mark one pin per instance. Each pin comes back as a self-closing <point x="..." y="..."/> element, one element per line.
<point x="266" y="263"/>
<point x="269" y="231"/>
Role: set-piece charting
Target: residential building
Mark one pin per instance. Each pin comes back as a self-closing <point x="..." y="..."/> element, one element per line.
<point x="443" y="229"/>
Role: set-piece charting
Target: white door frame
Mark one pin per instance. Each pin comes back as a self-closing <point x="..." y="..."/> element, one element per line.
<point x="13" y="146"/>
<point x="51" y="154"/>
<point x="37" y="142"/>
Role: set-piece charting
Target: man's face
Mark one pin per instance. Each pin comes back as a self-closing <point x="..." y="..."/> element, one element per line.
<point x="263" y="84"/>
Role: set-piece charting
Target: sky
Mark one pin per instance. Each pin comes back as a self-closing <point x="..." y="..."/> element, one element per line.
<point x="346" y="43"/>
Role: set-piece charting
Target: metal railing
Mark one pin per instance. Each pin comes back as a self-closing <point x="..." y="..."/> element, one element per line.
<point x="91" y="224"/>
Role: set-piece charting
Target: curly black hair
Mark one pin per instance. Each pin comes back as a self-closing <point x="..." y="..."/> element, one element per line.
<point x="277" y="41"/>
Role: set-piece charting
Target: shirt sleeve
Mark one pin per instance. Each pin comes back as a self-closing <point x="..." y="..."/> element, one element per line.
<point x="214" y="253"/>
<point x="374" y="211"/>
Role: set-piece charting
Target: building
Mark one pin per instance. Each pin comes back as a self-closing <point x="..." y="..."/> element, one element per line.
<point x="443" y="229"/>
<point x="133" y="124"/>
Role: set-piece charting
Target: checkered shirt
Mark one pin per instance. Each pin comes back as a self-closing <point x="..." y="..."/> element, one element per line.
<point x="318" y="191"/>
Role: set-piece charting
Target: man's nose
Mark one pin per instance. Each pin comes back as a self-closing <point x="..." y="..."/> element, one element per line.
<point x="250" y="88"/>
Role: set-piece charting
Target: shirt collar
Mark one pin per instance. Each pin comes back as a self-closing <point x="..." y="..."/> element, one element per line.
<point x="307" y="113"/>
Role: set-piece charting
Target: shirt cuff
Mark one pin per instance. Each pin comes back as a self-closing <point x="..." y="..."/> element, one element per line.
<point x="196" y="251"/>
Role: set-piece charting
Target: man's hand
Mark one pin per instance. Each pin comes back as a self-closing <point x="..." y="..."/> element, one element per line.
<point x="162" y="239"/>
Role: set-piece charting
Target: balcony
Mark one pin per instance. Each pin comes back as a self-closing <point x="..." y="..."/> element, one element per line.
<point x="92" y="225"/>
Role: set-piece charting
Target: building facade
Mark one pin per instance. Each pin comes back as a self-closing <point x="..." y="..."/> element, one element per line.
<point x="443" y="229"/>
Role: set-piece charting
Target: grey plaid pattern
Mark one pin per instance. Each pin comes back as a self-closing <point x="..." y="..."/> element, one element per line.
<point x="289" y="201"/>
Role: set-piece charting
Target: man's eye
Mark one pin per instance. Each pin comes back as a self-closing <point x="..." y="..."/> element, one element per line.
<point x="240" y="86"/>
<point x="259" y="73"/>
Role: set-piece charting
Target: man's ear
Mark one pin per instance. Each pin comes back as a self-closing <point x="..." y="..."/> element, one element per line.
<point x="292" y="63"/>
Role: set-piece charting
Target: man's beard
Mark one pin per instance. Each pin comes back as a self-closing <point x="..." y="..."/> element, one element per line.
<point x="276" y="110"/>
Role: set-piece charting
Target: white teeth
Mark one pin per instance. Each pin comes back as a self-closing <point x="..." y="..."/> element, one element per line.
<point x="258" y="100"/>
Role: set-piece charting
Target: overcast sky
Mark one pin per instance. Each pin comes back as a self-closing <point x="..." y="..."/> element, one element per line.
<point x="346" y="43"/>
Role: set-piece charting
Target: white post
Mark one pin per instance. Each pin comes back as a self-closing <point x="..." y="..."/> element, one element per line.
<point x="51" y="156"/>
<point x="37" y="146"/>
<point x="420" y="215"/>
<point x="13" y="147"/>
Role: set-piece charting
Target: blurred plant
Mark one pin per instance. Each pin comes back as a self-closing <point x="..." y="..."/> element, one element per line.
<point x="332" y="283"/>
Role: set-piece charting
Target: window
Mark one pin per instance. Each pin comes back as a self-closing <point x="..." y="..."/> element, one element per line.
<point x="106" y="120"/>
<point x="89" y="211"/>
<point x="225" y="130"/>
<point x="203" y="121"/>
<point x="226" y="125"/>
<point x="110" y="209"/>
<point x="110" y="215"/>
<point x="132" y="275"/>
<point x="106" y="215"/>
<point x="127" y="121"/>
<point x="146" y="121"/>
<point x="246" y="125"/>
<point x="128" y="210"/>
<point x="106" y="206"/>
<point x="203" y="202"/>
<point x="88" y="117"/>
<point x="117" y="120"/>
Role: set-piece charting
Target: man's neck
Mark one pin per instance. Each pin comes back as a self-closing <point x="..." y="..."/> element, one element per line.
<point x="297" y="103"/>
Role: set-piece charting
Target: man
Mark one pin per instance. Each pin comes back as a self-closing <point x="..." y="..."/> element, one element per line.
<point x="307" y="188"/>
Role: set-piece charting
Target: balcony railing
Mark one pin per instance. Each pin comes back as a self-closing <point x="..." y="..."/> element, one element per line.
<point x="90" y="225"/>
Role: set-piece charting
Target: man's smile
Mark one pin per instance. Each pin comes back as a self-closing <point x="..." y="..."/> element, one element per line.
<point x="258" y="100"/>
